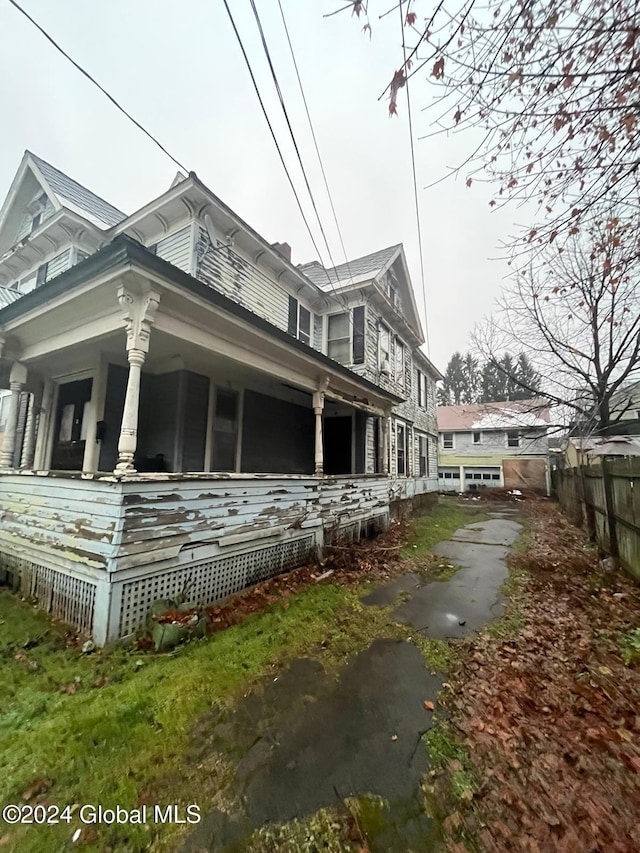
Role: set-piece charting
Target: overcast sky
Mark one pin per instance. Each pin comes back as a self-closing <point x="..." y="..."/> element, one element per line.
<point x="177" y="68"/>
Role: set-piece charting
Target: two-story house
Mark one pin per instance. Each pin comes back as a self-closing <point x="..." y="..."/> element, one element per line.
<point x="494" y="445"/>
<point x="188" y="411"/>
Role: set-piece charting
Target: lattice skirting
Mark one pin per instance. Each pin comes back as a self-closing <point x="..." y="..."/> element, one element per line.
<point x="65" y="597"/>
<point x="210" y="581"/>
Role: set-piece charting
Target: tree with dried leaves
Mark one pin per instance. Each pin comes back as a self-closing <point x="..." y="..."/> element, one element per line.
<point x="577" y="317"/>
<point x="553" y="87"/>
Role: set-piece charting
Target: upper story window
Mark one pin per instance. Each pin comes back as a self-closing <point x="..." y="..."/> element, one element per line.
<point x="477" y="438"/>
<point x="400" y="361"/>
<point x="384" y="349"/>
<point x="447" y="440"/>
<point x="421" y="386"/>
<point x="299" y="323"/>
<point x="401" y="449"/>
<point x="513" y="438"/>
<point x="346" y="336"/>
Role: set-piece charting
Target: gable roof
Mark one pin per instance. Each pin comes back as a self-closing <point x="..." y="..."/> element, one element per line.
<point x="353" y="272"/>
<point x="509" y="414"/>
<point x="77" y="198"/>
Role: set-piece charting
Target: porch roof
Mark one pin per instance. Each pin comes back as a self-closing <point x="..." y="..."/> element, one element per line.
<point x="123" y="251"/>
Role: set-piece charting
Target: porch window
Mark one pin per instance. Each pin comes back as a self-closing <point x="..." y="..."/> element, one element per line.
<point x="513" y="438"/>
<point x="401" y="450"/>
<point x="339" y="337"/>
<point x="447" y="440"/>
<point x="225" y="430"/>
<point x="423" y="458"/>
<point x="299" y="322"/>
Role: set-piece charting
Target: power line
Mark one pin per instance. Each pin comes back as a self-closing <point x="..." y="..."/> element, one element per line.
<point x="415" y="186"/>
<point x="270" y="126"/>
<point x="315" y="141"/>
<point x="95" y="83"/>
<point x="291" y="133"/>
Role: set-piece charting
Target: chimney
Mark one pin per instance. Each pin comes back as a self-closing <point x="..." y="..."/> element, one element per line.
<point x="284" y="249"/>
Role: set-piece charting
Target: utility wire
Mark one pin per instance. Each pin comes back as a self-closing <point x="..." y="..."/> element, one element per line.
<point x="292" y="134"/>
<point x="271" y="130"/>
<point x="415" y="185"/>
<point x="95" y="83"/>
<point x="315" y="141"/>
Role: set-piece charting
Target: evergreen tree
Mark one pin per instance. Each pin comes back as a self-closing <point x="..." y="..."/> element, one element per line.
<point x="453" y="388"/>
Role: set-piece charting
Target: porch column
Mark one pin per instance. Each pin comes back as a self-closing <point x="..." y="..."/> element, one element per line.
<point x="138" y="311"/>
<point x="318" y="408"/>
<point x="43" y="425"/>
<point x="29" y="441"/>
<point x="17" y="379"/>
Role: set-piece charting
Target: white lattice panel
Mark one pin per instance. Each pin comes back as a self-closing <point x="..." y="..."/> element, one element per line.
<point x="210" y="581"/>
<point x="65" y="597"/>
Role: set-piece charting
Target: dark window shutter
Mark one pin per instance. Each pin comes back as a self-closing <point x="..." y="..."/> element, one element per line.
<point x="292" y="326"/>
<point x="358" y="335"/>
<point x="42" y="275"/>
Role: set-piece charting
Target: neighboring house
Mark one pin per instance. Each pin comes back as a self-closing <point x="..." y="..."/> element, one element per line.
<point x="189" y="412"/>
<point x="494" y="445"/>
<point x="587" y="451"/>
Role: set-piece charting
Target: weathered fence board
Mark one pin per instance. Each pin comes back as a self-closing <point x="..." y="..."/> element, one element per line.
<point x="604" y="498"/>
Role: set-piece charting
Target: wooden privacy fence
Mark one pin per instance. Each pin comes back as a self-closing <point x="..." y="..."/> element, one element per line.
<point x="605" y="499"/>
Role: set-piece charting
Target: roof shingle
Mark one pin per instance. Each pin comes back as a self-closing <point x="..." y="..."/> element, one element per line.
<point x="360" y="269"/>
<point x="74" y="195"/>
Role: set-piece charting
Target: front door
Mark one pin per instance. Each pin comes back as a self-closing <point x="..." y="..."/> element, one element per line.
<point x="337" y="445"/>
<point x="70" y="426"/>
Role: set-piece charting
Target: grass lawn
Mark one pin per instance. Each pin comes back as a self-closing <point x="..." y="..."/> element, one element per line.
<point x="112" y="727"/>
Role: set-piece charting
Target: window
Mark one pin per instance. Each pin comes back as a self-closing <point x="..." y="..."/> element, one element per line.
<point x="477" y="476"/>
<point x="346" y="336"/>
<point x="468" y="475"/>
<point x="486" y="476"/>
<point x="423" y="457"/>
<point x="304" y="326"/>
<point x="477" y="437"/>
<point x="401" y="449"/>
<point x="225" y="430"/>
<point x="495" y="476"/>
<point x="339" y="338"/>
<point x="299" y="322"/>
<point x="384" y="343"/>
<point x="513" y="438"/>
<point x="421" y="385"/>
<point x="447" y="440"/>
<point x="399" y="362"/>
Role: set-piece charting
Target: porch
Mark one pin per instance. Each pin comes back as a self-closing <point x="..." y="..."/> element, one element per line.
<point x="161" y="438"/>
<point x="96" y="550"/>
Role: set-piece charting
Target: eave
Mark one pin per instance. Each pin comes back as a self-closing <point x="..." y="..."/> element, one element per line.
<point x="123" y="252"/>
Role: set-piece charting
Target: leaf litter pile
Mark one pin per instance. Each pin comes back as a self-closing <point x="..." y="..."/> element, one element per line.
<point x="551" y="715"/>
<point x="346" y="563"/>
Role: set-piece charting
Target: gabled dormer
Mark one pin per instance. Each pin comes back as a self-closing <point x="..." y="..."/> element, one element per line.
<point x="48" y="222"/>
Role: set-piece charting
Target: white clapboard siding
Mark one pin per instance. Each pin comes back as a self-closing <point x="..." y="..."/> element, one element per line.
<point x="176" y="248"/>
<point x="59" y="264"/>
<point x="239" y="279"/>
